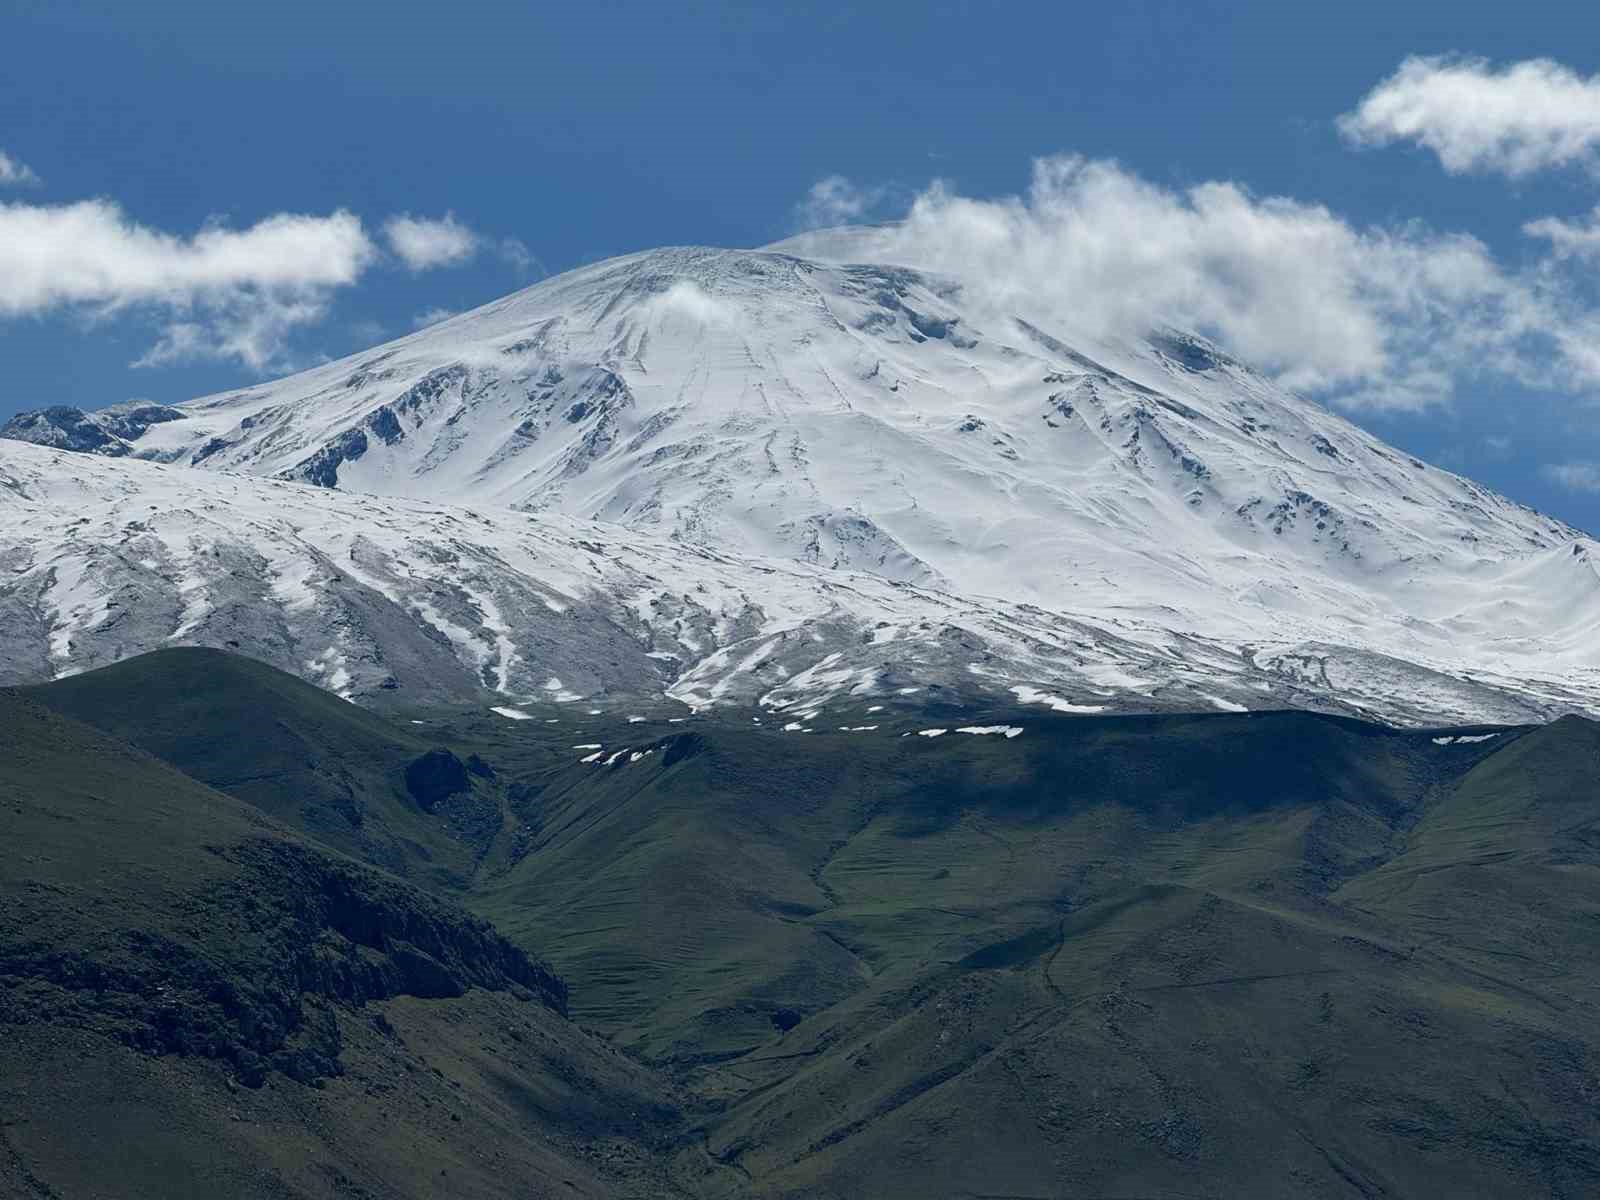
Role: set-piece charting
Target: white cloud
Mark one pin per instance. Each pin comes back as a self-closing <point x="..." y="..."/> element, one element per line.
<point x="433" y="316"/>
<point x="1514" y="120"/>
<point x="1575" y="239"/>
<point x="252" y="329"/>
<point x="222" y="294"/>
<point x="90" y="252"/>
<point x="1380" y="317"/>
<point x="1369" y="317"/>
<point x="1574" y="476"/>
<point x="227" y="293"/>
<point x="16" y="174"/>
<point x="367" y="330"/>
<point x="836" y="201"/>
<point x="424" y="243"/>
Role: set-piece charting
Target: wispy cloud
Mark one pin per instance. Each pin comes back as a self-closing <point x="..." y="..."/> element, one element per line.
<point x="433" y="316"/>
<point x="522" y="260"/>
<point x="836" y="200"/>
<point x="16" y="174"/>
<point x="1574" y="239"/>
<point x="428" y="243"/>
<point x="1514" y="120"/>
<point x="367" y="330"/>
<point x="252" y="329"/>
<point x="1575" y="476"/>
<point x="424" y="243"/>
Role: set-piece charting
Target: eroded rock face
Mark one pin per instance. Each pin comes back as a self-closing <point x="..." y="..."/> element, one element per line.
<point x="130" y="420"/>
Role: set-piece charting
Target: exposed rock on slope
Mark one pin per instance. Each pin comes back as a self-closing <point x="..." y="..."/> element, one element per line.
<point x="108" y="431"/>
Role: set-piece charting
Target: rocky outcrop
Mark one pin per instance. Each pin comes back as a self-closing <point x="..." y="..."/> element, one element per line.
<point x="63" y="428"/>
<point x="322" y="468"/>
<point x="108" y="431"/>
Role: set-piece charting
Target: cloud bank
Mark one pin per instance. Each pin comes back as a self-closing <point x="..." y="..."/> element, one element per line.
<point x="221" y="294"/>
<point x="1515" y="120"/>
<point x="1390" y="317"/>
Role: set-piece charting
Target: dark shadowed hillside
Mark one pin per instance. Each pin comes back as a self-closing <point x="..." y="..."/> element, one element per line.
<point x="310" y="759"/>
<point x="196" y="1002"/>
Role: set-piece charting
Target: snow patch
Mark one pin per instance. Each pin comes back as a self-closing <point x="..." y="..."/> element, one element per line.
<point x="1032" y="695"/>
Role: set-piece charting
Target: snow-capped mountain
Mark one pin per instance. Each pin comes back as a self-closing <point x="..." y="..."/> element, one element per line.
<point x="1152" y="520"/>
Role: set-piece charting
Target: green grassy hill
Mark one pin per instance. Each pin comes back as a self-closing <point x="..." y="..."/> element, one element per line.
<point x="759" y="870"/>
<point x="1226" y="955"/>
<point x="197" y="1002"/>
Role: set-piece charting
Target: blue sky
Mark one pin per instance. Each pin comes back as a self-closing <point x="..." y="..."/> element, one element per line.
<point x="553" y="135"/>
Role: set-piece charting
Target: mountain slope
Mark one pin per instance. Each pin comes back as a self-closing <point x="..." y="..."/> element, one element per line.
<point x="315" y="763"/>
<point x="394" y="601"/>
<point x="859" y="415"/>
<point x="195" y="1002"/>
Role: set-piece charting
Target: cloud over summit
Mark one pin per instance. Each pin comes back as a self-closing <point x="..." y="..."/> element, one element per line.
<point x="1371" y="317"/>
